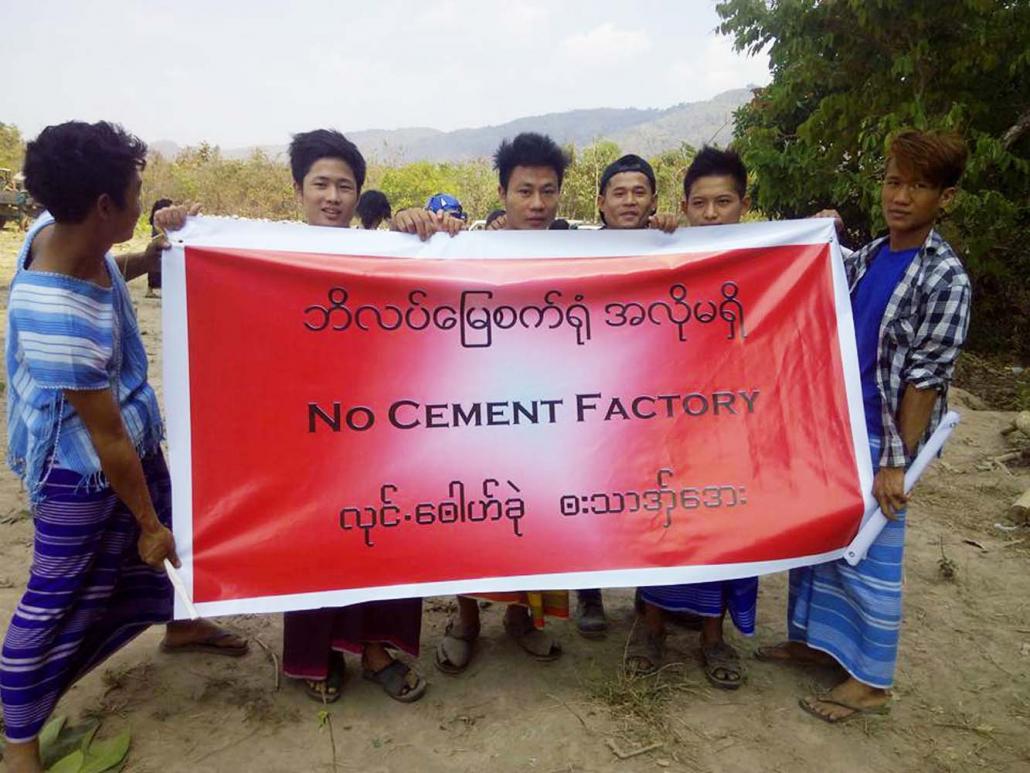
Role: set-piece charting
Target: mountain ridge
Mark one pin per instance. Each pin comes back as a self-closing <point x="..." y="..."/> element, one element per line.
<point x="646" y="131"/>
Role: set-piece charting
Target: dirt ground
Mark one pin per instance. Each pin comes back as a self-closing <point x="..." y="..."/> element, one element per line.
<point x="962" y="695"/>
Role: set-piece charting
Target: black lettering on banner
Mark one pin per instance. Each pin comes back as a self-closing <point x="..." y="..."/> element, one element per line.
<point x="395" y="408"/>
<point x="582" y="406"/>
<point x="435" y="418"/>
<point x="461" y="418"/>
<point x="664" y="500"/>
<point x="476" y="318"/>
<point x="749" y="398"/>
<point x="316" y="414"/>
<point x="360" y="418"/>
<point x="495" y="416"/>
<point x="456" y="507"/>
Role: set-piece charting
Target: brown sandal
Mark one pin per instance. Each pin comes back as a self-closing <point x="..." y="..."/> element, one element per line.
<point x="455" y="650"/>
<point x="723" y="666"/>
<point x="540" y="645"/>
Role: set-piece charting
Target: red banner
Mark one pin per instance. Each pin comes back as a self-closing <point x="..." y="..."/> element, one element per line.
<point x="366" y="425"/>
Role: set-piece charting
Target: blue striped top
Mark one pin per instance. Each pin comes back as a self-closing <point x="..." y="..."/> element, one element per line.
<point x="65" y="333"/>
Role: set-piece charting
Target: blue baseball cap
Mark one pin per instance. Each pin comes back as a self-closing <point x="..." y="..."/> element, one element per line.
<point x="447" y="203"/>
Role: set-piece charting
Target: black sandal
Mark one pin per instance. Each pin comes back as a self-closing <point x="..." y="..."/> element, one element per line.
<point x="645" y="653"/>
<point x="394" y="681"/>
<point x="723" y="666"/>
<point x="328" y="690"/>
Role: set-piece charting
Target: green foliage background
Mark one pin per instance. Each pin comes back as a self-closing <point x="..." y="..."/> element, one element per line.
<point x="12" y="148"/>
<point x="849" y="73"/>
<point x="261" y="187"/>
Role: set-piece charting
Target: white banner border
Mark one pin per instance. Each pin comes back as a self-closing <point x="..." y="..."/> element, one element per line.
<point x="233" y="233"/>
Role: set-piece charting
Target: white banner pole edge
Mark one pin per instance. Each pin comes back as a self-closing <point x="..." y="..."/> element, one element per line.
<point x="874" y="523"/>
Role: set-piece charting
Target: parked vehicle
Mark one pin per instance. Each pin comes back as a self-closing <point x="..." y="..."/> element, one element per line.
<point x="16" y="205"/>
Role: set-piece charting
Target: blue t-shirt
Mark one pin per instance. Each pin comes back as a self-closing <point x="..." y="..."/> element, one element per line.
<point x="868" y="303"/>
<point x="66" y="333"/>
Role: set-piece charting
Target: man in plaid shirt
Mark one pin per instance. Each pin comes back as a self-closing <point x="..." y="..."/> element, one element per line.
<point x="910" y="297"/>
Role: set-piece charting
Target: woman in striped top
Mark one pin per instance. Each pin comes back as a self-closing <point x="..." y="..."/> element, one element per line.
<point x="84" y="435"/>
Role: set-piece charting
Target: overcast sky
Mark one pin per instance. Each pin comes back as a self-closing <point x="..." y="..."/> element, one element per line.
<point x="243" y="72"/>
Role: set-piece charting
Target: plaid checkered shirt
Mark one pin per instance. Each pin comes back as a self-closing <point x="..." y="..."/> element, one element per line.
<point x="921" y="334"/>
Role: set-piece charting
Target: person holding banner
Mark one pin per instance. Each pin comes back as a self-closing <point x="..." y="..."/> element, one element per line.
<point x="530" y="168"/>
<point x="328" y="174"/>
<point x="627" y="198"/>
<point x="714" y="193"/>
<point x="910" y="296"/>
<point x="85" y="434"/>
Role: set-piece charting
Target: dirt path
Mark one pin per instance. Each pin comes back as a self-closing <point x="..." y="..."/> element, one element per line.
<point x="963" y="692"/>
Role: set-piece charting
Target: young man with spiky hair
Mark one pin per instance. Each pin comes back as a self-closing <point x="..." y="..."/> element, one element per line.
<point x="328" y="174"/>
<point x="530" y="169"/>
<point x="84" y="435"/>
<point x="715" y="188"/>
<point x="714" y="193"/>
<point x="910" y="297"/>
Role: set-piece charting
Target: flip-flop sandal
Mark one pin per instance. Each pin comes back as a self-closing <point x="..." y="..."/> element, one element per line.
<point x="722" y="666"/>
<point x="645" y="654"/>
<point x="394" y="681"/>
<point x="856" y="711"/>
<point x="540" y="645"/>
<point x="209" y="646"/>
<point x="331" y="686"/>
<point x="454" y="652"/>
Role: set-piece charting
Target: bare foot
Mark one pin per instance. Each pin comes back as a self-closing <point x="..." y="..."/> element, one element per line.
<point x="23" y="757"/>
<point x="375" y="657"/>
<point x="794" y="652"/>
<point x="848" y="699"/>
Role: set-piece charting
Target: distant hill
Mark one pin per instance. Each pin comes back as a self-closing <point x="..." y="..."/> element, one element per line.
<point x="643" y="131"/>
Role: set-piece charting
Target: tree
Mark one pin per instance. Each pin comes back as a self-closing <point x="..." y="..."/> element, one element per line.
<point x="847" y="74"/>
<point x="12" y="147"/>
<point x="583" y="179"/>
<point x="670" y="168"/>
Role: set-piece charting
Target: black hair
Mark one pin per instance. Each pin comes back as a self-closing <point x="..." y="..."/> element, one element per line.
<point x="373" y="207"/>
<point x="309" y="147"/>
<point x="628" y="163"/>
<point x="559" y="224"/>
<point x="159" y="204"/>
<point x="529" y="149"/>
<point x="494" y="215"/>
<point x="70" y="165"/>
<point x="712" y="162"/>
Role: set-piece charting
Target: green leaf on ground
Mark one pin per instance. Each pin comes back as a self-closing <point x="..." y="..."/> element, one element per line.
<point x="68" y="740"/>
<point x="51" y="730"/>
<point x="70" y="764"/>
<point x="107" y="754"/>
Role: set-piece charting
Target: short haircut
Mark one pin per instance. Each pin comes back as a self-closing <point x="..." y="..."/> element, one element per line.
<point x="713" y="162"/>
<point x="494" y="215"/>
<point x="628" y="163"/>
<point x="373" y="207"/>
<point x="529" y="149"/>
<point x="159" y="204"/>
<point x="309" y="147"/>
<point x="939" y="156"/>
<point x="71" y="165"/>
